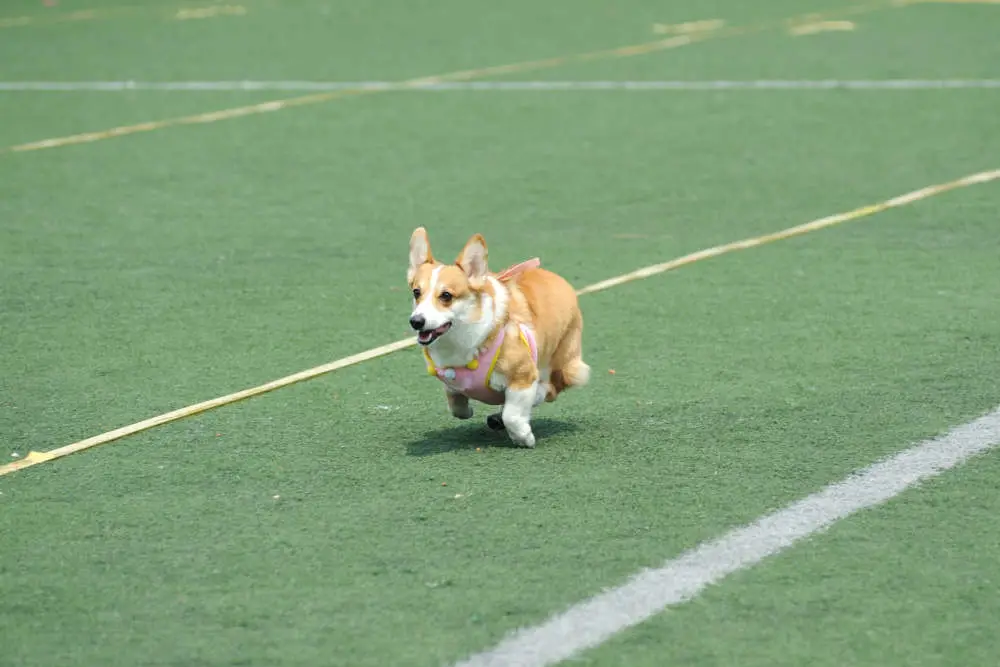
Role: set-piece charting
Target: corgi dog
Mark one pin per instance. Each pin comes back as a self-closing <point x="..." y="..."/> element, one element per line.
<point x="512" y="339"/>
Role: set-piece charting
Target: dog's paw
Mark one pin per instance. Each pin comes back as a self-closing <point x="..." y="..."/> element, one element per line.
<point x="525" y="440"/>
<point x="462" y="412"/>
<point x="459" y="406"/>
<point x="495" y="422"/>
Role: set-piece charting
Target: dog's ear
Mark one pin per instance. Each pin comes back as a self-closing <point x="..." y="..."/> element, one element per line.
<point x="472" y="259"/>
<point x="420" y="251"/>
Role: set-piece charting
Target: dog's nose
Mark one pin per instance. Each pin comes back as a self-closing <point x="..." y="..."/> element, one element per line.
<point x="418" y="322"/>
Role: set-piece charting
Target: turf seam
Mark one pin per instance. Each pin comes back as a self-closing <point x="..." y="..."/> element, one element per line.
<point x="501" y="86"/>
<point x="37" y="457"/>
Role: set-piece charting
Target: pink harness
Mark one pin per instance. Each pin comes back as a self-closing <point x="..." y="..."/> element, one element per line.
<point x="473" y="379"/>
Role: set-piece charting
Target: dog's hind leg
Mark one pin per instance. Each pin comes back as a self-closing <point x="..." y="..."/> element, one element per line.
<point x="544" y="387"/>
<point x="495" y="421"/>
<point x="568" y="367"/>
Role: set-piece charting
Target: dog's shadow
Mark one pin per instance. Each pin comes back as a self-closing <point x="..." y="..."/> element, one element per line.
<point x="475" y="433"/>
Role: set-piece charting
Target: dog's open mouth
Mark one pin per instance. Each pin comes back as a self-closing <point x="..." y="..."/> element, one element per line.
<point x="428" y="336"/>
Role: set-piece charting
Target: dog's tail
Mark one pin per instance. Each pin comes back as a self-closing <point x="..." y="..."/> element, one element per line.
<point x="576" y="373"/>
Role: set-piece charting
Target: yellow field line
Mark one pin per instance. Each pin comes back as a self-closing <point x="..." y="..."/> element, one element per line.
<point x="210" y="117"/>
<point x="178" y="13"/>
<point x="948" y="2"/>
<point x="34" y="458"/>
<point x="821" y="26"/>
<point x="463" y="75"/>
<point x="822" y="223"/>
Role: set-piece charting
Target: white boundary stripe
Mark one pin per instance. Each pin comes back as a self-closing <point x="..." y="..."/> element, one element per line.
<point x="431" y="85"/>
<point x="592" y="622"/>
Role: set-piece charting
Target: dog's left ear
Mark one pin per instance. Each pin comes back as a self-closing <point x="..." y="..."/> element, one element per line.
<point x="472" y="259"/>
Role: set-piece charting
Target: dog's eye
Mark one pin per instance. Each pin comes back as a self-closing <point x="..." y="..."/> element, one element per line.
<point x="446" y="297"/>
<point x="416" y="293"/>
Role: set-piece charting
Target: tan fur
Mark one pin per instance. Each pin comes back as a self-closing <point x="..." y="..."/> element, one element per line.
<point x="451" y="282"/>
<point x="549" y="304"/>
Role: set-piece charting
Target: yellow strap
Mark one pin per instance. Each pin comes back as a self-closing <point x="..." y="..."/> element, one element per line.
<point x="493" y="363"/>
<point x="524" y="338"/>
<point x="474" y="364"/>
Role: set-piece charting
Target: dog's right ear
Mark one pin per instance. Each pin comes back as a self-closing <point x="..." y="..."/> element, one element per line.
<point x="420" y="251"/>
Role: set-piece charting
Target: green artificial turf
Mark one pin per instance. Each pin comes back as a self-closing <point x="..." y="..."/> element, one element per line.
<point x="909" y="583"/>
<point x="350" y="520"/>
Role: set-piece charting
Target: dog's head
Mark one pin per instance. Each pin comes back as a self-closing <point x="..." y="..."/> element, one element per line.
<point x="445" y="295"/>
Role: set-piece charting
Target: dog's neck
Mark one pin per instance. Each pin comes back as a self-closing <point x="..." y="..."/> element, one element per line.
<point x="466" y="340"/>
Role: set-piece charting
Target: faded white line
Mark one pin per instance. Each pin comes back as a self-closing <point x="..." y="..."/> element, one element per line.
<point x="590" y="623"/>
<point x="437" y="85"/>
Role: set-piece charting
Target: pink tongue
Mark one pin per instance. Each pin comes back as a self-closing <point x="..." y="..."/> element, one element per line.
<point x="424" y="335"/>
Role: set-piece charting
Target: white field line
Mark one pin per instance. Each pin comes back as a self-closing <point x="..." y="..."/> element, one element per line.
<point x="432" y="85"/>
<point x="36" y="457"/>
<point x="590" y="623"/>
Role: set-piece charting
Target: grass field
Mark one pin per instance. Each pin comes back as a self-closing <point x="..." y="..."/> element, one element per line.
<point x="148" y="263"/>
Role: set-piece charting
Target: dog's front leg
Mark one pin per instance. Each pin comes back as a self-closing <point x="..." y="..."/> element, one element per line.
<point x="516" y="414"/>
<point x="458" y="404"/>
